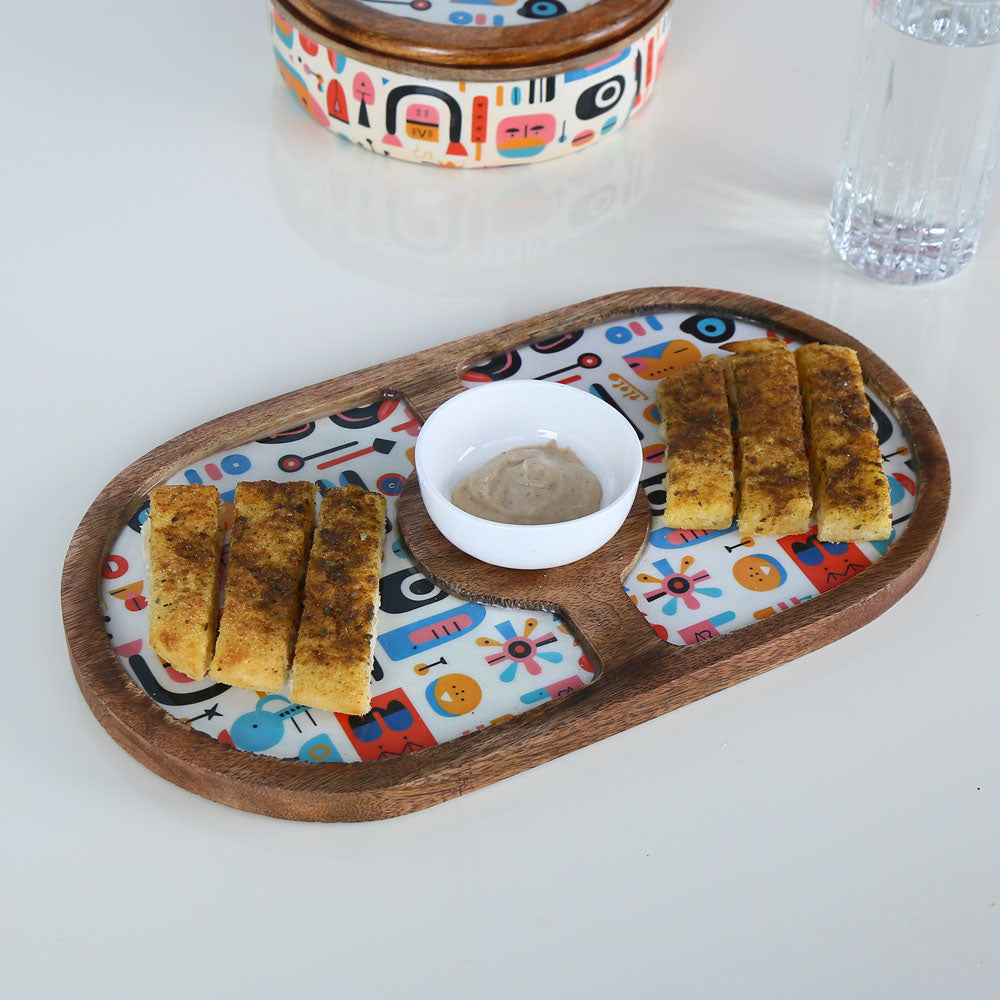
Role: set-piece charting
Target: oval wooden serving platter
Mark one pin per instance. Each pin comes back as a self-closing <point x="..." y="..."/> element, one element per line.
<point x="640" y="676"/>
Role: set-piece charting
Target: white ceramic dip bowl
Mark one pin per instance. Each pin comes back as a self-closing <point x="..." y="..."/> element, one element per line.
<point x="478" y="424"/>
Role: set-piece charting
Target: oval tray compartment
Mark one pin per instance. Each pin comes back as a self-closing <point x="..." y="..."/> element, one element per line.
<point x="424" y="744"/>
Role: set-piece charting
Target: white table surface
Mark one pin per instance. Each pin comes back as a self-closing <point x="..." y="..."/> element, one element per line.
<point x="179" y="240"/>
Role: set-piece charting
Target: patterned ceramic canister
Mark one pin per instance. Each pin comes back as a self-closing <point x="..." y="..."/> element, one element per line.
<point x="374" y="86"/>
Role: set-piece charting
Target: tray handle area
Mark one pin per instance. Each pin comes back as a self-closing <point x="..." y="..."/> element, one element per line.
<point x="588" y="594"/>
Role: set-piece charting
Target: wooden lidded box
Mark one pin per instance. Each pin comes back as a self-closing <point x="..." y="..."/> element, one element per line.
<point x="471" y="83"/>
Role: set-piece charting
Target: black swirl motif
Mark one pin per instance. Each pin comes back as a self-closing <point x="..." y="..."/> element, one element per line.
<point x="552" y="345"/>
<point x="161" y="695"/>
<point x="495" y="369"/>
<point x="292" y="434"/>
<point x="364" y="416"/>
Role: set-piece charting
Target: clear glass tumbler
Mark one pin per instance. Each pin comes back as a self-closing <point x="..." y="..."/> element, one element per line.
<point x="922" y="139"/>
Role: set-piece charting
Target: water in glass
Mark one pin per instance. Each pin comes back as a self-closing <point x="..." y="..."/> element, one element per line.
<point x="922" y="139"/>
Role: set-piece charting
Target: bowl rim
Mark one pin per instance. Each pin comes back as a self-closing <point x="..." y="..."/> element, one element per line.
<point x="454" y="52"/>
<point x="627" y="492"/>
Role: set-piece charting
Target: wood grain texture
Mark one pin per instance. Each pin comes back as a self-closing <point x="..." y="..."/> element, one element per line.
<point x="444" y="52"/>
<point x="587" y="594"/>
<point x="641" y="677"/>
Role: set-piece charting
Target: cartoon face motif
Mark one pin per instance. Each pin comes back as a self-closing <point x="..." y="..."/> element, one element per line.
<point x="825" y="563"/>
<point x="422" y="122"/>
<point x="655" y="363"/>
<point x="522" y="136"/>
<point x="759" y="572"/>
<point x="454" y="694"/>
<point x="392" y="728"/>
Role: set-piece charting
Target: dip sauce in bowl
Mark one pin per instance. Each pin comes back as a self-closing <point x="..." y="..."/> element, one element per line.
<point x="485" y="426"/>
<point x="530" y="485"/>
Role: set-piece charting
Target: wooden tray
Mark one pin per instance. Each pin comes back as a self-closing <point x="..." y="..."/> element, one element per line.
<point x="640" y="676"/>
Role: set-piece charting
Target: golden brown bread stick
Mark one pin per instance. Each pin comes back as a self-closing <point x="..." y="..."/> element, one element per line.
<point x="852" y="492"/>
<point x="272" y="529"/>
<point x="695" y="424"/>
<point x="333" y="655"/>
<point x="774" y="484"/>
<point x="183" y="540"/>
<point x="755" y="346"/>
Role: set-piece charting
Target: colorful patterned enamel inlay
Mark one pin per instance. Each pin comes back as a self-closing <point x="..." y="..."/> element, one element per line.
<point x="445" y="667"/>
<point x="692" y="585"/>
<point x="467" y="124"/>
<point x="479" y="13"/>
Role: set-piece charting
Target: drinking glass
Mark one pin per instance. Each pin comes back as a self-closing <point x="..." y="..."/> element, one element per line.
<point x="922" y="139"/>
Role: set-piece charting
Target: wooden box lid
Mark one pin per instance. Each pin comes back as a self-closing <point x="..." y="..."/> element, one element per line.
<point x="549" y="45"/>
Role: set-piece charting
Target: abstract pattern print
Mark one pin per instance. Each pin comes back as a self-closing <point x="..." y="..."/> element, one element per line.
<point x="479" y="13"/>
<point x="443" y="666"/>
<point x="693" y="585"/>
<point x="467" y="124"/>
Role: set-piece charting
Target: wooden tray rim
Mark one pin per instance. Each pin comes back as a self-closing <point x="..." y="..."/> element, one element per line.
<point x="664" y="677"/>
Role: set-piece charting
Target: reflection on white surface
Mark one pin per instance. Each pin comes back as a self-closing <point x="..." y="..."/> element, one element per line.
<point x="917" y="331"/>
<point x="416" y="228"/>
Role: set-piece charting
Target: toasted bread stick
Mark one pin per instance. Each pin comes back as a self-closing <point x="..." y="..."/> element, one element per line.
<point x="852" y="492"/>
<point x="755" y="346"/>
<point x="272" y="529"/>
<point x="695" y="424"/>
<point x="775" y="495"/>
<point x="183" y="540"/>
<point x="335" y="648"/>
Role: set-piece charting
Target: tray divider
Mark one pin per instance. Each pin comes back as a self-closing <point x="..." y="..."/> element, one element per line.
<point x="588" y="594"/>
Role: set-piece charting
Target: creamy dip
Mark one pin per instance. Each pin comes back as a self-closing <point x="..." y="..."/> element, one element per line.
<point x="530" y="485"/>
